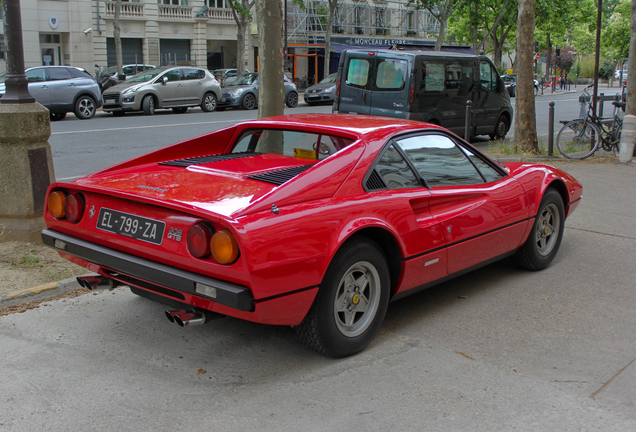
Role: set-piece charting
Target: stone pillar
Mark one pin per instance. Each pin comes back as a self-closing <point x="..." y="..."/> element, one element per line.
<point x="26" y="163"/>
<point x="26" y="170"/>
<point x="200" y="42"/>
<point x="628" y="137"/>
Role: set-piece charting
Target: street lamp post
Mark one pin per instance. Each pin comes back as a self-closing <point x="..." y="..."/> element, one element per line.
<point x="16" y="84"/>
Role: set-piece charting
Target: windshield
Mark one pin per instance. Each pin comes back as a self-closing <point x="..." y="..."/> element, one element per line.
<point x="293" y="143"/>
<point x="247" y="79"/>
<point x="145" y="75"/>
<point x="329" y="79"/>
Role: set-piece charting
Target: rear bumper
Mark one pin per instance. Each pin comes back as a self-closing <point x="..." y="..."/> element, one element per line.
<point x="151" y="275"/>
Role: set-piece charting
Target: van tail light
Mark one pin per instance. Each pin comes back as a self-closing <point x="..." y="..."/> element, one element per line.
<point x="412" y="93"/>
<point x="224" y="247"/>
<point x="338" y="85"/>
<point x="56" y="203"/>
<point x="74" y="207"/>
<point x="198" y="240"/>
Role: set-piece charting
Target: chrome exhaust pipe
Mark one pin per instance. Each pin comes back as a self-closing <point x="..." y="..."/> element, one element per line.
<point x="97" y="282"/>
<point x="190" y="317"/>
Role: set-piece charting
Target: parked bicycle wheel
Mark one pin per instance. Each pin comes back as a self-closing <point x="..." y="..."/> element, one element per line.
<point x="578" y="139"/>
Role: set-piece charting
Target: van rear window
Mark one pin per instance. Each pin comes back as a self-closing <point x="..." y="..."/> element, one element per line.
<point x="391" y="75"/>
<point x="358" y="73"/>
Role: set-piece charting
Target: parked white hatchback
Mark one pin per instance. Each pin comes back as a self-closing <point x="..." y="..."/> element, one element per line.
<point x="167" y="87"/>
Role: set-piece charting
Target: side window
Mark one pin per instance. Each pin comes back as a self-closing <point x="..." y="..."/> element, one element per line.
<point x="453" y="76"/>
<point x="432" y="76"/>
<point x="488" y="76"/>
<point x="128" y="70"/>
<point x="57" y="74"/>
<point x="358" y="73"/>
<point x="36" y="75"/>
<point x="391" y="75"/>
<point x="439" y="161"/>
<point x="394" y="170"/>
<point x="173" y="75"/>
<point x="488" y="172"/>
<point x="192" y="74"/>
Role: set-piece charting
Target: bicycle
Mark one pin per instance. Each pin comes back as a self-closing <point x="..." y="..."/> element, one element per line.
<point x="581" y="138"/>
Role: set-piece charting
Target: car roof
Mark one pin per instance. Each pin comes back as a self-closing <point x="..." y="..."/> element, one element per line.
<point x="414" y="53"/>
<point x="364" y="126"/>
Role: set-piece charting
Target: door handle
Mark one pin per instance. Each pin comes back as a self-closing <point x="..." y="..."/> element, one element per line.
<point x="364" y="98"/>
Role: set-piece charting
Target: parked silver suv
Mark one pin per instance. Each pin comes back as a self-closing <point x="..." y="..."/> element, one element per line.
<point x="165" y="87"/>
<point x="62" y="89"/>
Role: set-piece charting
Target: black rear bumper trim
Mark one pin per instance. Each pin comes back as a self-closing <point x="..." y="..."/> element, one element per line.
<point x="228" y="294"/>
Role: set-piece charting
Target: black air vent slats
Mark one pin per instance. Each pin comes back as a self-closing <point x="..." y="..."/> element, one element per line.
<point x="208" y="159"/>
<point x="279" y="176"/>
<point x="375" y="182"/>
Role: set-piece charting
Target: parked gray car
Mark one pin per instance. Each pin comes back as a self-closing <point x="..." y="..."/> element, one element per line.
<point x="167" y="87"/>
<point x="323" y="92"/>
<point x="243" y="93"/>
<point x="62" y="89"/>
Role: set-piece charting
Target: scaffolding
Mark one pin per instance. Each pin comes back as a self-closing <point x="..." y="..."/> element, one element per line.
<point x="362" y="18"/>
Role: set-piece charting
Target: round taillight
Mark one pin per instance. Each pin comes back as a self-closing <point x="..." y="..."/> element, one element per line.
<point x="74" y="207"/>
<point x="198" y="240"/>
<point x="56" y="204"/>
<point x="224" y="247"/>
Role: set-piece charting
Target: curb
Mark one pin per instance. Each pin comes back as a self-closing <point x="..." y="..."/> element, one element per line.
<point x="40" y="292"/>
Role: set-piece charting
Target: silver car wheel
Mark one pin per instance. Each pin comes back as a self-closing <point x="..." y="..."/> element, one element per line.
<point x="357" y="299"/>
<point x="548" y="229"/>
<point x="84" y="108"/>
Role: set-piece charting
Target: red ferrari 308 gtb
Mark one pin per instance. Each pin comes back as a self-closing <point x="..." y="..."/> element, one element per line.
<point x="312" y="221"/>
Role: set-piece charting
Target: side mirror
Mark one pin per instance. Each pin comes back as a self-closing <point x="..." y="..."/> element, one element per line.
<point x="164" y="80"/>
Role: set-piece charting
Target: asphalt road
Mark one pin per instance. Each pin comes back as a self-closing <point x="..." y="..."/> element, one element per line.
<point x="498" y="349"/>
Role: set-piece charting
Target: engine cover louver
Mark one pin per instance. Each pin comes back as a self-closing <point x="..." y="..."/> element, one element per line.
<point x="208" y="159"/>
<point x="279" y="176"/>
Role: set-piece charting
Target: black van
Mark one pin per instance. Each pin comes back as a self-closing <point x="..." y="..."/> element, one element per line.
<point x="429" y="86"/>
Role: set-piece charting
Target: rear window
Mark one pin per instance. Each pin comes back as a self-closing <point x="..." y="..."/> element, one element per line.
<point x="56" y="74"/>
<point x="300" y="144"/>
<point x="358" y="73"/>
<point x="391" y="75"/>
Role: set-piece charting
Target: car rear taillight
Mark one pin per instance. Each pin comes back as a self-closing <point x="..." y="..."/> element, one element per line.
<point x="56" y="203"/>
<point x="74" y="207"/>
<point x="224" y="247"/>
<point x="198" y="240"/>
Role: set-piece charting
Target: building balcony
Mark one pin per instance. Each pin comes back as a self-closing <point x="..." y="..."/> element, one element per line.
<point x="177" y="13"/>
<point x="128" y="10"/>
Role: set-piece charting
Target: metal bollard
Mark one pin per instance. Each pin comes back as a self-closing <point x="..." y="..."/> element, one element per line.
<point x="550" y="128"/>
<point x="467" y="124"/>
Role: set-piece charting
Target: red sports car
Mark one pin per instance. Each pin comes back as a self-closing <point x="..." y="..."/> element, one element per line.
<point x="312" y="221"/>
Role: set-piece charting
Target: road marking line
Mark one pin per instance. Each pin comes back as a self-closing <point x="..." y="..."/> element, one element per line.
<point x="146" y="127"/>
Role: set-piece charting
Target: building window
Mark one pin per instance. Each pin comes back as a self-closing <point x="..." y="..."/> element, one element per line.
<point x="219" y="4"/>
<point x="173" y="2"/>
<point x="49" y="38"/>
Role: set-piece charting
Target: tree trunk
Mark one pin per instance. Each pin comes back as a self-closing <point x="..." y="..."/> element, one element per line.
<point x="116" y="34"/>
<point x="443" y="23"/>
<point x="525" y="116"/>
<point x="241" y="24"/>
<point x="631" y="66"/>
<point x="271" y="98"/>
<point x="332" y="11"/>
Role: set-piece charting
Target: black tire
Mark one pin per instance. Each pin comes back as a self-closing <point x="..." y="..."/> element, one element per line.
<point x="84" y="108"/>
<point x="345" y="316"/>
<point x="513" y="92"/>
<point x="57" y="116"/>
<point x="148" y="105"/>
<point x="292" y="100"/>
<point x="501" y="129"/>
<point x="545" y="238"/>
<point x="209" y="102"/>
<point x="536" y="90"/>
<point x="180" y="110"/>
<point x="578" y="139"/>
<point x="249" y="101"/>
